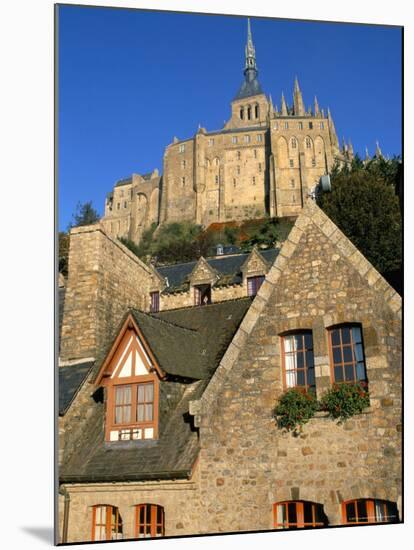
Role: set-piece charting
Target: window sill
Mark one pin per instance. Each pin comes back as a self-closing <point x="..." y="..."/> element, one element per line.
<point x="325" y="414"/>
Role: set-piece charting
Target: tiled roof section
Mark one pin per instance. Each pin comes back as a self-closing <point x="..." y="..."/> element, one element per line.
<point x="249" y="88"/>
<point x="227" y="266"/>
<point x="169" y="457"/>
<point x="70" y="380"/>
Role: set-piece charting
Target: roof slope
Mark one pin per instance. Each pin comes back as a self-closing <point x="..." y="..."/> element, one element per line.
<point x="229" y="268"/>
<point x="70" y="380"/>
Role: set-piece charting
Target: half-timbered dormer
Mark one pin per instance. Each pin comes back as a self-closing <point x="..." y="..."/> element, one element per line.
<point x="130" y="374"/>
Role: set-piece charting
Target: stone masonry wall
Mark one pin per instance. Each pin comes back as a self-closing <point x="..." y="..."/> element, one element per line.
<point x="246" y="463"/>
<point x="179" y="499"/>
<point x="104" y="279"/>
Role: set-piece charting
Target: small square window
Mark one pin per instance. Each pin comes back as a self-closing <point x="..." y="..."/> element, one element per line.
<point x="300" y="125"/>
<point x="247" y="139"/>
<point x="210" y="142"/>
<point x="310" y="125"/>
<point x="291" y="164"/>
<point x="286" y="125"/>
<point x="321" y="125"/>
<point x="181" y="148"/>
<point x="259" y="138"/>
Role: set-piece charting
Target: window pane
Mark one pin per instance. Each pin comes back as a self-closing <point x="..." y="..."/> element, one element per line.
<point x="335" y="337"/>
<point x="290" y="378"/>
<point x="350" y="512"/>
<point x="356" y="335"/>
<point x="337" y="356"/>
<point x="141" y="393"/>
<point x="149" y="392"/>
<point x="346" y="335"/>
<point x="300" y="378"/>
<point x="300" y="360"/>
<point x="290" y="361"/>
<point x="292" y="512"/>
<point x="118" y="415"/>
<point x="349" y="373"/>
<point x="148" y="412"/>
<point x="298" y="341"/>
<point x="362" y="511"/>
<point x="281" y="514"/>
<point x="140" y="413"/>
<point x="309" y="358"/>
<point x="360" y="371"/>
<point x="339" y="376"/>
<point x="359" y="354"/>
<point x="348" y="357"/>
<point x="307" y="512"/>
<point x="308" y="341"/>
<point x="141" y="514"/>
<point x="289" y="343"/>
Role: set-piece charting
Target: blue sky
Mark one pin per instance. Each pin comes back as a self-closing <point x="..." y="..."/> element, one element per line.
<point x="131" y="80"/>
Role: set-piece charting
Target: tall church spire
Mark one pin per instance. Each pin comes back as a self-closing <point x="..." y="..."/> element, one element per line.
<point x="250" y="86"/>
<point x="250" y="68"/>
<point x="283" y="110"/>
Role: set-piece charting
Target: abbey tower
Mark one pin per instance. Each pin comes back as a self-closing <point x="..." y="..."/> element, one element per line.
<point x="263" y="162"/>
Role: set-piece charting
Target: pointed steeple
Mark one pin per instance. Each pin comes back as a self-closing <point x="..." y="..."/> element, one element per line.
<point x="344" y="146"/>
<point x="250" y="68"/>
<point x="298" y="106"/>
<point x="332" y="131"/>
<point x="251" y="85"/>
<point x="283" y="106"/>
<point x="378" y="152"/>
<point x="367" y="157"/>
<point x="316" y="106"/>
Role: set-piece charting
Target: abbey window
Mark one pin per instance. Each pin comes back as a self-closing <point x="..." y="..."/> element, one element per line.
<point x="297" y="360"/>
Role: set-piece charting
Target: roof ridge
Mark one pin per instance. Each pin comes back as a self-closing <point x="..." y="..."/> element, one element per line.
<point x="194" y="331"/>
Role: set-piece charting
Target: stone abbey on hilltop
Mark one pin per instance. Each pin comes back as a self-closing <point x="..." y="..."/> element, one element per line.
<point x="263" y="162"/>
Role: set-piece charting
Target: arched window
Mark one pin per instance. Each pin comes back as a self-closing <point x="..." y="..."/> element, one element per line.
<point x="308" y="143"/>
<point x="293" y="143"/>
<point x="149" y="521"/>
<point x="241" y="113"/>
<point x="297" y="514"/>
<point x="249" y="112"/>
<point x="346" y="349"/>
<point x="238" y="155"/>
<point x="106" y="523"/>
<point x="256" y="111"/>
<point x="366" y="510"/>
<point x="297" y="360"/>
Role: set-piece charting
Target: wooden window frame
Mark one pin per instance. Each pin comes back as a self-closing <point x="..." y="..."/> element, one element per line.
<point x="343" y="363"/>
<point x="153" y="523"/>
<point x="371" y="513"/>
<point x="108" y="522"/>
<point x="254" y="280"/>
<point x="300" y="522"/>
<point x="305" y="368"/>
<point x="198" y="294"/>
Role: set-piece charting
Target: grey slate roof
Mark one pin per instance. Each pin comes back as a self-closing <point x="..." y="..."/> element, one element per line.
<point x="229" y="267"/>
<point x="249" y="88"/>
<point x="70" y="380"/>
<point x="172" y="455"/>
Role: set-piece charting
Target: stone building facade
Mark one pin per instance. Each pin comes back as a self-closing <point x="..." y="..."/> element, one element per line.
<point x="264" y="161"/>
<point x="220" y="463"/>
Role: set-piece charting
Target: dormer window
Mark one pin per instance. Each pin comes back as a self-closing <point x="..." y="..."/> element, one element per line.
<point x="130" y="376"/>
<point x="253" y="284"/>
<point x="155" y="302"/>
<point x="202" y="295"/>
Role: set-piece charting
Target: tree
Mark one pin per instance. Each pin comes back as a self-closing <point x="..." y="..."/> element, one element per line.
<point x="85" y="214"/>
<point x="265" y="237"/>
<point x="63" y="252"/>
<point x="364" y="206"/>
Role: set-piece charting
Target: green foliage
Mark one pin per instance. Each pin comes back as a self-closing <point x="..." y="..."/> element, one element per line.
<point x="85" y="214"/>
<point x="264" y="237"/>
<point x="363" y="204"/>
<point x="133" y="247"/>
<point x="230" y="234"/>
<point x="295" y="408"/>
<point x="63" y="253"/>
<point x="345" y="400"/>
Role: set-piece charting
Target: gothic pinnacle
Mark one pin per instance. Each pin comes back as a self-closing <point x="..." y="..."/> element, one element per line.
<point x="298" y="106"/>
<point x="283" y="107"/>
<point x="378" y="152"/>
<point x="316" y="106"/>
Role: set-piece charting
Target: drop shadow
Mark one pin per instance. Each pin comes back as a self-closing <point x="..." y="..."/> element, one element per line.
<point x="45" y="534"/>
